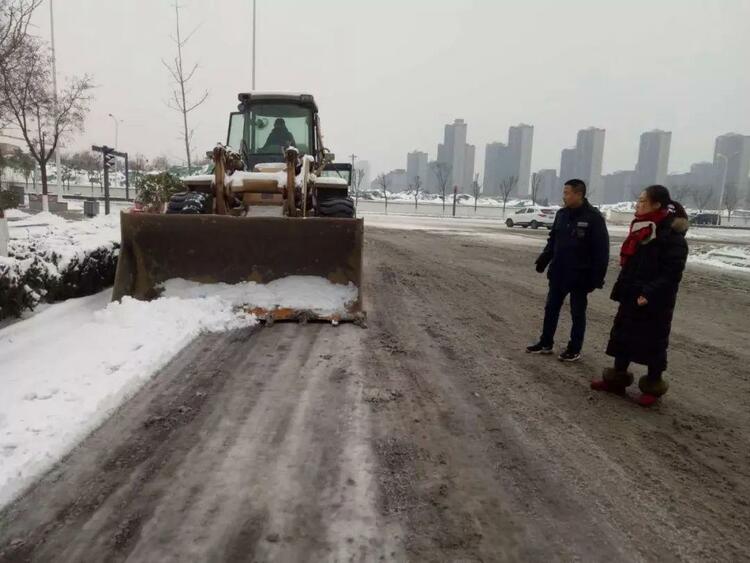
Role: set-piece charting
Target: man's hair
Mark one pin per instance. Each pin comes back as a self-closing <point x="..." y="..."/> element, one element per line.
<point x="578" y="186"/>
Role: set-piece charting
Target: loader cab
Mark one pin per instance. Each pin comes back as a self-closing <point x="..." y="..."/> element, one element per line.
<point x="265" y="124"/>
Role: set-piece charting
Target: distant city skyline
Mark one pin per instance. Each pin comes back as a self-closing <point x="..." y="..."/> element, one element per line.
<point x="586" y="161"/>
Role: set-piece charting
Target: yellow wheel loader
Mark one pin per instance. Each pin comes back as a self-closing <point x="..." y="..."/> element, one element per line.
<point x="275" y="206"/>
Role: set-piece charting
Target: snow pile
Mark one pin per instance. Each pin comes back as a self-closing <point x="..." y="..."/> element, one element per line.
<point x="722" y="256"/>
<point x="621" y="207"/>
<point x="63" y="241"/>
<point x="15" y="214"/>
<point x="309" y="293"/>
<point x="66" y="369"/>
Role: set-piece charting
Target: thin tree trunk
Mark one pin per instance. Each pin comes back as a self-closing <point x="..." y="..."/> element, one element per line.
<point x="43" y="170"/>
<point x="182" y="88"/>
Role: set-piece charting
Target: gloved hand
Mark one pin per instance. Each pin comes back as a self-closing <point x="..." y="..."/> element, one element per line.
<point x="598" y="284"/>
<point x="542" y="262"/>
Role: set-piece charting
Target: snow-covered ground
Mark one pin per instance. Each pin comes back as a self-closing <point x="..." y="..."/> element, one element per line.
<point x="65" y="369"/>
<point x="724" y="248"/>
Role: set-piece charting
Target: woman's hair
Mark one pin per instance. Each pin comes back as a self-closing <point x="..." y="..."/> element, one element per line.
<point x="660" y="194"/>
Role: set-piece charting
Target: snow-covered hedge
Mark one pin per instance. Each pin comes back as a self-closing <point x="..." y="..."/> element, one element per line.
<point x="57" y="261"/>
<point x="24" y="283"/>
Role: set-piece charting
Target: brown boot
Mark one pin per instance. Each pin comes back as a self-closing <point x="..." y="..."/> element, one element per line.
<point x="613" y="381"/>
<point x="653" y="387"/>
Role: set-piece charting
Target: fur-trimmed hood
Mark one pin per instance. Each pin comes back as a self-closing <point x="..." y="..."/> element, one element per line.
<point x="680" y="225"/>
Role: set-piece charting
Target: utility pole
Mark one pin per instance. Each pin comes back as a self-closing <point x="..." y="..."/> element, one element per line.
<point x="45" y="200"/>
<point x="254" y="45"/>
<point x="352" y="174"/>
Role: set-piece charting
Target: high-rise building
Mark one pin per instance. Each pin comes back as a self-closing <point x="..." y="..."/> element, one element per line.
<point x="653" y="158"/>
<point x="549" y="192"/>
<point x="469" y="161"/>
<point x="455" y="152"/>
<point x="512" y="160"/>
<point x="732" y="165"/>
<point x="395" y="179"/>
<point x="619" y="186"/>
<point x="520" y="143"/>
<point x="585" y="161"/>
<point x="590" y="149"/>
<point x="416" y="167"/>
<point x="695" y="186"/>
<point x="496" y="164"/>
<point x="568" y="166"/>
<point x="431" y="186"/>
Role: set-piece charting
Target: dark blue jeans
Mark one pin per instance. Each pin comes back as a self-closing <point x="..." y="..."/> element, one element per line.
<point x="578" y="303"/>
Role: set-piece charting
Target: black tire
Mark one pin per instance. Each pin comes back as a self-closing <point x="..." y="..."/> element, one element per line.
<point x="526" y="226"/>
<point x="534" y="225"/>
<point x="336" y="207"/>
<point x="509" y="223"/>
<point x="189" y="203"/>
<point x="179" y="197"/>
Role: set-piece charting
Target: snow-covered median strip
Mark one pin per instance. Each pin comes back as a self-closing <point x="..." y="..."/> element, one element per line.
<point x="66" y="369"/>
<point x="721" y="256"/>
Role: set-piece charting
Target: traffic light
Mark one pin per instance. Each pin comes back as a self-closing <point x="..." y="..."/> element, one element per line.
<point x="109" y="160"/>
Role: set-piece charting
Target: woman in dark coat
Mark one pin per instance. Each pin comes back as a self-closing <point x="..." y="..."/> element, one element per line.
<point x="652" y="258"/>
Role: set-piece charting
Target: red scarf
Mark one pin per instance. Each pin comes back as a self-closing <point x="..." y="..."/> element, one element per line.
<point x="642" y="230"/>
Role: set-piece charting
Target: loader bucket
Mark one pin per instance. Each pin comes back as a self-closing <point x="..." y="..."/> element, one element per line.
<point x="220" y="248"/>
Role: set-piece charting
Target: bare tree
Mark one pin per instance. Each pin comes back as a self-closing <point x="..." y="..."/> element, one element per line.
<point x="160" y="164"/>
<point x="442" y="171"/>
<point x="505" y="188"/>
<point x="476" y="189"/>
<point x="702" y="196"/>
<point x="731" y="200"/>
<point x="27" y="93"/>
<point x="180" y="95"/>
<point x="89" y="163"/>
<point x="138" y="165"/>
<point x="384" y="181"/>
<point x="416" y="186"/>
<point x="15" y="16"/>
<point x="357" y="179"/>
<point x="536" y="184"/>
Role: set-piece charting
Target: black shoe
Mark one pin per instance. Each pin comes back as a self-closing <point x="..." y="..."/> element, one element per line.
<point x="568" y="356"/>
<point x="538" y="349"/>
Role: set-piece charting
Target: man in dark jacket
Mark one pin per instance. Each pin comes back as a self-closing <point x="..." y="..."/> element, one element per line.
<point x="279" y="136"/>
<point x="577" y="254"/>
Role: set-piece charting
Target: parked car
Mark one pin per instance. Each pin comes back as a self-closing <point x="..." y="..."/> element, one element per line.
<point x="533" y="217"/>
<point x="705" y="219"/>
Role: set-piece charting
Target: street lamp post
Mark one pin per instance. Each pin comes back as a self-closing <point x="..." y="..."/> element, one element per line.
<point x="58" y="175"/>
<point x="117" y="130"/>
<point x="253" y="44"/>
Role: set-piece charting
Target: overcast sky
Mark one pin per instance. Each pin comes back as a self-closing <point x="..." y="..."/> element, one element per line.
<point x="388" y="74"/>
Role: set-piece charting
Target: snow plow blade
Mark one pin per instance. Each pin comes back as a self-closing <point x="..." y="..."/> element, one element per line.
<point x="225" y="249"/>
